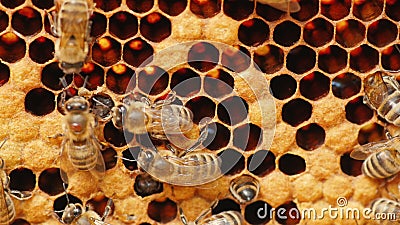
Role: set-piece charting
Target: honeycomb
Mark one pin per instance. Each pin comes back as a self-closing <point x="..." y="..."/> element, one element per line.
<point x="314" y="60"/>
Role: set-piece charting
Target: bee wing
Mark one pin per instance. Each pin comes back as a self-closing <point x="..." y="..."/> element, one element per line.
<point x="363" y="151"/>
<point x="66" y="167"/>
<point x="218" y="221"/>
<point x="99" y="169"/>
<point x="3" y="203"/>
<point x="176" y="119"/>
<point x="375" y="89"/>
<point x="291" y="6"/>
<point x="184" y="161"/>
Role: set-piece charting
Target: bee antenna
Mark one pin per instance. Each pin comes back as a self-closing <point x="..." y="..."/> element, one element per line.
<point x="66" y="193"/>
<point x="97" y="101"/>
<point x="126" y="159"/>
<point x="4" y="141"/>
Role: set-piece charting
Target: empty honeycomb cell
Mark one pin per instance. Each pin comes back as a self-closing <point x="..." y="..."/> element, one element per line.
<point x="98" y="204"/>
<point x="371" y="133"/>
<point x="64" y="96"/>
<point x="39" y="102"/>
<point x="261" y="163"/>
<point x="253" y="32"/>
<point x="185" y="82"/>
<point x="364" y="58"/>
<point x="119" y="77"/>
<point x="115" y="136"/>
<point x="106" y="51"/>
<point x="367" y="10"/>
<point x="155" y="27"/>
<point x="140" y="6"/>
<point x="218" y="83"/>
<point x="310" y="137"/>
<point x="201" y="107"/>
<point x="93" y="74"/>
<point x="335" y="10"/>
<point x="318" y="32"/>
<point x="286" y="33"/>
<point x="232" y="110"/>
<point x="218" y="136"/>
<point x="172" y="7"/>
<point x="22" y="179"/>
<point x="308" y="10"/>
<point x="392" y="10"/>
<point x="238" y="10"/>
<point x="205" y="8"/>
<point x="291" y="164"/>
<point x="61" y="202"/>
<point x="137" y="52"/>
<point x="4" y="74"/>
<point x="127" y="154"/>
<point x="315" y="86"/>
<point x="12" y="3"/>
<point x="107" y="5"/>
<point x="296" y="111"/>
<point x="123" y="25"/>
<point x="43" y="4"/>
<point x="145" y="185"/>
<point x="50" y="181"/>
<point x="51" y="77"/>
<point x="332" y="59"/>
<point x="153" y="80"/>
<point x="287" y="214"/>
<point x="232" y="162"/>
<point x="236" y="59"/>
<point x="225" y="205"/>
<point x="3" y="21"/>
<point x="247" y="137"/>
<point x="99" y="24"/>
<point x="203" y="56"/>
<point x="283" y="86"/>
<point x="101" y="105"/>
<point x="26" y="21"/>
<point x="301" y="59"/>
<point x="350" y="166"/>
<point x="357" y="112"/>
<point x="346" y="85"/>
<point x="269" y="59"/>
<point x="390" y="58"/>
<point x="162" y="211"/>
<point x="12" y="48"/>
<point x="268" y="13"/>
<point x="41" y="50"/>
<point x="349" y="33"/>
<point x="258" y="212"/>
<point x="382" y="32"/>
<point x="20" y="222"/>
<point x="109" y="156"/>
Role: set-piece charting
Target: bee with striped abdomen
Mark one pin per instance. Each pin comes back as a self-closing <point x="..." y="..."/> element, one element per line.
<point x="244" y="188"/>
<point x="388" y="208"/>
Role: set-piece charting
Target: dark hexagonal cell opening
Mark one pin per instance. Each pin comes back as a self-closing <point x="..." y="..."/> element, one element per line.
<point x="218" y="83"/>
<point x="225" y="205"/>
<point x="41" y="50"/>
<point x="253" y="32"/>
<point x="247" y="137"/>
<point x="99" y="203"/>
<point x="283" y="86"/>
<point x="288" y="214"/>
<point x="258" y="212"/>
<point x="185" y="82"/>
<point x="61" y="202"/>
<point x="115" y="136"/>
<point x="109" y="156"/>
<point x="12" y="3"/>
<point x="4" y="74"/>
<point x="236" y="58"/>
<point x="20" y="222"/>
<point x="318" y="32"/>
<point x="382" y="32"/>
<point x="268" y="13"/>
<point x="357" y="112"/>
<point x="123" y="25"/>
<point x="52" y="75"/>
<point x="43" y="4"/>
<point x="99" y="24"/>
<point x="315" y="86"/>
<point x="232" y="162"/>
<point x="145" y="185"/>
<point x="137" y="52"/>
<point x="364" y="58"/>
<point x="232" y="110"/>
<point x="201" y="107"/>
<point x="205" y="9"/>
<point x="50" y="181"/>
<point x="140" y="6"/>
<point x="269" y="59"/>
<point x="27" y="21"/>
<point x="22" y="179"/>
<point x="390" y="58"/>
<point x="107" y="5"/>
<point x="346" y="85"/>
<point x="172" y="7"/>
<point x="162" y="211"/>
<point x="371" y="133"/>
<point x="335" y="10"/>
<point x="12" y="48"/>
<point x="203" y="56"/>
<point x="350" y="166"/>
<point x="310" y="137"/>
<point x="101" y="105"/>
<point x="286" y="33"/>
<point x="39" y="102"/>
<point x="238" y="10"/>
<point x="301" y="59"/>
<point x="155" y="27"/>
<point x="392" y="10"/>
<point x="106" y="51"/>
<point x="308" y="9"/>
<point x="218" y="136"/>
<point x="349" y="33"/>
<point x="93" y="74"/>
<point x="3" y="21"/>
<point x="261" y="163"/>
<point x="291" y="164"/>
<point x="332" y="59"/>
<point x="119" y="77"/>
<point x="367" y="10"/>
<point x="153" y="80"/>
<point x="296" y="111"/>
<point x="131" y="163"/>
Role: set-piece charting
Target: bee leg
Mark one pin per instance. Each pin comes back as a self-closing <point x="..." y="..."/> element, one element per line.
<point x="207" y="211"/>
<point x="182" y="216"/>
<point x="203" y="136"/>
<point x="21" y="195"/>
<point x="107" y="209"/>
<point x="167" y="101"/>
<point x="56" y="135"/>
<point x="53" y="24"/>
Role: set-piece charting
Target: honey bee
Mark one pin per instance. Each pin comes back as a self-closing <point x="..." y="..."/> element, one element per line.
<point x="382" y="93"/>
<point x="389" y="207"/>
<point x="70" y="23"/>
<point x="291" y="6"/>
<point x="244" y="188"/>
<point x="145" y="185"/>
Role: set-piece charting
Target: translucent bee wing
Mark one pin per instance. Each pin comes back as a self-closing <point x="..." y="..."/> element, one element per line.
<point x="95" y="221"/>
<point x="376" y="91"/>
<point x="176" y="119"/>
<point x="66" y="167"/>
<point x="363" y="151"/>
<point x="218" y="221"/>
<point x="99" y="169"/>
<point x="291" y="6"/>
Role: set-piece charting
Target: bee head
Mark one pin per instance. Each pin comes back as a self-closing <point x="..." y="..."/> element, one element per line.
<point x="118" y="115"/>
<point x="71" y="212"/>
<point x="77" y="104"/>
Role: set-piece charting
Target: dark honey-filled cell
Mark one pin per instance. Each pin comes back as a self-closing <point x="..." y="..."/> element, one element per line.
<point x="390" y="58"/>
<point x="52" y="75"/>
<point x="50" y="181"/>
<point x="22" y="179"/>
<point x="131" y="163"/>
<point x="310" y="137"/>
<point x="61" y="202"/>
<point x="119" y="77"/>
<point x="283" y="86"/>
<point x="115" y="136"/>
<point x="218" y="83"/>
<point x="225" y="205"/>
<point x="109" y="156"/>
<point x="346" y="85"/>
<point x="247" y="137"/>
<point x="145" y="185"/>
<point x="332" y="59"/>
<point x="101" y="105"/>
<point x="318" y="32"/>
<point x="185" y="82"/>
<point x="268" y="13"/>
<point x="203" y="56"/>
<point x="107" y="5"/>
<point x="349" y="33"/>
<point x="123" y="25"/>
<point x="253" y="32"/>
<point x="106" y="51"/>
<point x="232" y="110"/>
<point x="308" y="10"/>
<point x="258" y="212"/>
<point x="236" y="58"/>
<point x="93" y="74"/>
<point x="155" y="27"/>
<point x="140" y="6"/>
<point x="99" y="203"/>
<point x="4" y="74"/>
<point x="335" y="10"/>
<point x="162" y="211"/>
<point x="357" y="112"/>
<point x="12" y="48"/>
<point x="232" y="162"/>
<point x="261" y="163"/>
<point x="99" y="24"/>
<point x="12" y="3"/>
<point x="315" y="86"/>
<point x="286" y="33"/>
<point x="269" y="59"/>
<point x="172" y="7"/>
<point x="26" y="21"/>
<point x="20" y="222"/>
<point x="367" y="10"/>
<point x="301" y="59"/>
<point x="43" y="4"/>
<point x="288" y="214"/>
<point x="41" y="50"/>
<point x="371" y="133"/>
<point x="201" y="107"/>
<point x="392" y="10"/>
<point x="291" y="164"/>
<point x="205" y="8"/>
<point x="237" y="9"/>
<point x="137" y="52"/>
<point x="350" y="166"/>
<point x="153" y="80"/>
<point x="218" y="136"/>
<point x="39" y="102"/>
<point x="296" y="111"/>
<point x="382" y="32"/>
<point x="3" y="21"/>
<point x="364" y="58"/>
